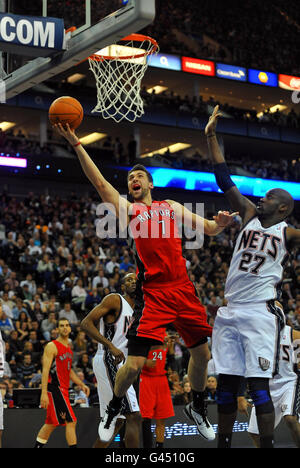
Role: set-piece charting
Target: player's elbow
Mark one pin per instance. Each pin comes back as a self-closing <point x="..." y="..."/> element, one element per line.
<point x="84" y="324"/>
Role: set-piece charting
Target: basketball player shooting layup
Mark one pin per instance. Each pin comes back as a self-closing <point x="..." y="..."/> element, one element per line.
<point x="164" y="293"/>
<point x="246" y="334"/>
<point x="108" y="323"/>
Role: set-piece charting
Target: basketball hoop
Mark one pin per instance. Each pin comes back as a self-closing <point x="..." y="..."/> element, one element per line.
<point x="119" y="70"/>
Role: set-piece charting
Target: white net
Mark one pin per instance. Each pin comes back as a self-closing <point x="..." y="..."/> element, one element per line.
<point x="119" y="70"/>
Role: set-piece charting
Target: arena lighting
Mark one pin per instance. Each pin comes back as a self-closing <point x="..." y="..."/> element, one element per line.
<point x="6" y="125"/>
<point x="158" y="89"/>
<point x="273" y="109"/>
<point x="13" y="162"/>
<point x="172" y="149"/>
<point x="75" y="77"/>
<point x="92" y="138"/>
<point x="205" y="181"/>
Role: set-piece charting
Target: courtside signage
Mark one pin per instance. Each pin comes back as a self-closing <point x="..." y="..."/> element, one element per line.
<point x="27" y="34"/>
<point x="199" y="66"/>
<point x="231" y="72"/>
<point x="262" y="77"/>
<point x="291" y="83"/>
<point x="169" y="62"/>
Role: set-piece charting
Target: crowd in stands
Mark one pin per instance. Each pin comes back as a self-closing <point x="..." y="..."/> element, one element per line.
<point x="53" y="264"/>
<point x="168" y="100"/>
<point x="251" y="33"/>
<point x="242" y="33"/>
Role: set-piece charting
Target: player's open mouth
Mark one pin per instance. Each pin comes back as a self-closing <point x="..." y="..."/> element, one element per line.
<point x="136" y="187"/>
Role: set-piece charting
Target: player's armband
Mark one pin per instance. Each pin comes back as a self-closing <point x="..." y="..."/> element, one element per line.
<point x="223" y="178"/>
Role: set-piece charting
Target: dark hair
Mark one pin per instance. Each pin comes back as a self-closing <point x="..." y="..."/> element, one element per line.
<point x="63" y="319"/>
<point x="140" y="167"/>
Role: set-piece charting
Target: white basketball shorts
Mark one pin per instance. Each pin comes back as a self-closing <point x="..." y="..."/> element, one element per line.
<point x="246" y="340"/>
<point x="105" y="373"/>
<point x="285" y="399"/>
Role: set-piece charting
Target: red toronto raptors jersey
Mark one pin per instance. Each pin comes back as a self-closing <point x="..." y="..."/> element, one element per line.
<point x="159" y="357"/>
<point x="156" y="241"/>
<point x="60" y="370"/>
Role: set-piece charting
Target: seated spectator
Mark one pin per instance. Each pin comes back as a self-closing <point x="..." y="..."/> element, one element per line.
<point x="84" y="363"/>
<point x="69" y="314"/>
<point x="48" y="324"/>
<point x="19" y="307"/>
<point x="25" y="370"/>
<point x="211" y="388"/>
<point x="6" y="324"/>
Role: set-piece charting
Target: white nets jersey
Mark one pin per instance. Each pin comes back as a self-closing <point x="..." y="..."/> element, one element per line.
<point x="2" y="353"/>
<point x="286" y="361"/>
<point x="116" y="332"/>
<point x="257" y="264"/>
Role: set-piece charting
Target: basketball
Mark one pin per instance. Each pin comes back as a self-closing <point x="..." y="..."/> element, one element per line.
<point x="66" y="110"/>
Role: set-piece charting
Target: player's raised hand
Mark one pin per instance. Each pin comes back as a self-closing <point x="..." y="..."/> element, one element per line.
<point x="67" y="132"/>
<point x="224" y="218"/>
<point x="210" y="128"/>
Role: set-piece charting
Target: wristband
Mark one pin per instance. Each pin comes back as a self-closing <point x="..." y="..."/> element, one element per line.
<point x="211" y="135"/>
<point x="77" y="144"/>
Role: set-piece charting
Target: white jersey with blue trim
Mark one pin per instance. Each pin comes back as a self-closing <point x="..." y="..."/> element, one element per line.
<point x="287" y="360"/>
<point x="257" y="264"/>
<point x="116" y="332"/>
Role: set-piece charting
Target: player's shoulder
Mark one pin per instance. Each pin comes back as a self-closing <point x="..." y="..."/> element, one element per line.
<point x="113" y="300"/>
<point x="51" y="348"/>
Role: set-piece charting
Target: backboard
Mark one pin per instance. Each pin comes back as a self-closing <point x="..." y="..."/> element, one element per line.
<point x="95" y="24"/>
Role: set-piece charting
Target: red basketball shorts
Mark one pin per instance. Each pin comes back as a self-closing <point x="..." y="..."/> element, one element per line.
<point x="59" y="411"/>
<point x="175" y="304"/>
<point x="155" y="397"/>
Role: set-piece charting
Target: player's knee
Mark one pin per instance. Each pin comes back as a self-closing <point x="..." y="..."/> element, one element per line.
<point x="133" y="367"/>
<point x="227" y="392"/>
<point x="260" y="394"/>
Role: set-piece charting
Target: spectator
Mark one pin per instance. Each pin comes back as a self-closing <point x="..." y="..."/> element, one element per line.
<point x="26" y="370"/>
<point x="211" y="388"/>
<point x="69" y="314"/>
<point x="48" y="324"/>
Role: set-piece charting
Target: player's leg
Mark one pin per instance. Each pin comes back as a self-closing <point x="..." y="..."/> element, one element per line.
<point x="160" y="432"/>
<point x="132" y="431"/>
<point x="127" y="374"/>
<point x="71" y="436"/>
<point x="294" y="427"/>
<point x="44" y="435"/>
<point x="125" y="377"/>
<point x="255" y="439"/>
<point x="147" y="433"/>
<point x="264" y="408"/>
<point x="228" y="390"/>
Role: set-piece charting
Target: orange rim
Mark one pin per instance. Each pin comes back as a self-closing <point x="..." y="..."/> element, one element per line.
<point x="131" y="37"/>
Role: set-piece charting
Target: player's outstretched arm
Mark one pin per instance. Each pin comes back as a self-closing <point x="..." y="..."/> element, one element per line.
<point x="192" y="220"/>
<point x="106" y="191"/>
<point x="236" y="200"/>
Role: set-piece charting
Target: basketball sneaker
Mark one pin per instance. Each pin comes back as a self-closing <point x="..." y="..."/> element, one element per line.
<point x="200" y="419"/>
<point x="107" y="426"/>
